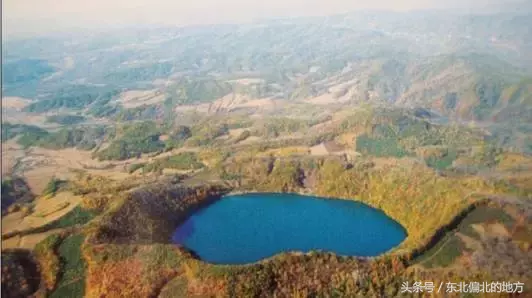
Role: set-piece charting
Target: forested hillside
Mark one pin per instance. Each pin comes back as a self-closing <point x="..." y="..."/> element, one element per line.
<point x="460" y="65"/>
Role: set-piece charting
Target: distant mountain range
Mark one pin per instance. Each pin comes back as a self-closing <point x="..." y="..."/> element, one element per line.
<point x="472" y="67"/>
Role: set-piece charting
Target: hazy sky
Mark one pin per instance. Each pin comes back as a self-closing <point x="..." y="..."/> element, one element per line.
<point x="40" y="16"/>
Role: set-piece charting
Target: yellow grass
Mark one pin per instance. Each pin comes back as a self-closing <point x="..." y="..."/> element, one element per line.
<point x="136" y="98"/>
<point x="28" y="241"/>
<point x="11" y="153"/>
<point x="236" y="132"/>
<point x="348" y="139"/>
<point x="45" y="211"/>
<point x="285" y="151"/>
<point x="324" y="99"/>
<point x="39" y="165"/>
<point x="18" y="117"/>
<point x="229" y="102"/>
<point x="513" y="160"/>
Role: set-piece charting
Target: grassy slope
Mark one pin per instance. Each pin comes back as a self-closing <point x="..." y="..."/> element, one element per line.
<point x="72" y="277"/>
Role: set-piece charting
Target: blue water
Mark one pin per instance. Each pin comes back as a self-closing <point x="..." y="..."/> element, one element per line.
<point x="241" y="229"/>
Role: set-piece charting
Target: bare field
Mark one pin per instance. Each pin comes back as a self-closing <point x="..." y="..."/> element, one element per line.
<point x="46" y="209"/>
<point x="18" y="117"/>
<point x="28" y="241"/>
<point x="247" y="81"/>
<point x="235" y="132"/>
<point x="250" y="140"/>
<point x="136" y="98"/>
<point x="324" y="99"/>
<point x="230" y="102"/>
<point x="13" y="102"/>
<point x="39" y="165"/>
<point x="11" y="153"/>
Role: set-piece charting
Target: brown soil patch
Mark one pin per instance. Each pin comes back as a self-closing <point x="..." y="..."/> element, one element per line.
<point x="324" y="99"/>
<point x="11" y="221"/>
<point x="230" y="102"/>
<point x="11" y="153"/>
<point x="261" y="102"/>
<point x="136" y="98"/>
<point x="234" y="133"/>
<point x="39" y="177"/>
<point x="12" y="242"/>
<point x="250" y="140"/>
<point x="469" y="242"/>
<point x="28" y="241"/>
<point x="223" y="137"/>
<point x="233" y="100"/>
<point x="479" y="229"/>
<point x="497" y="229"/>
<point x="491" y="229"/>
<point x="13" y="102"/>
<point x="39" y="165"/>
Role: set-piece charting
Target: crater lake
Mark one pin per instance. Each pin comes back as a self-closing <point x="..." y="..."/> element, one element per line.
<point x="245" y="228"/>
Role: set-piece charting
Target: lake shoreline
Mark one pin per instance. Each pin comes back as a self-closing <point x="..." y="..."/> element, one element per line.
<point x="264" y="224"/>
